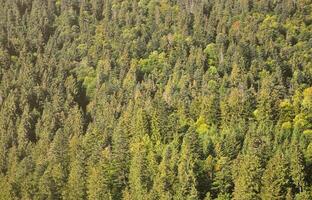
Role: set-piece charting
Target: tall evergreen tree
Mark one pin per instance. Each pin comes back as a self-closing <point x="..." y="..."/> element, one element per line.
<point x="276" y="178"/>
<point x="247" y="178"/>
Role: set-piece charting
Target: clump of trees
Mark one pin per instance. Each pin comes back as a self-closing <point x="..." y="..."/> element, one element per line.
<point x="147" y="99"/>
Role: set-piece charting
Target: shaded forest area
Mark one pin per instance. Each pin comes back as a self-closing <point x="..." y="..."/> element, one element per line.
<point x="156" y="99"/>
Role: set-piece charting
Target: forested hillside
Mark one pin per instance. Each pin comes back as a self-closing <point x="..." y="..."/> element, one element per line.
<point x="155" y="99"/>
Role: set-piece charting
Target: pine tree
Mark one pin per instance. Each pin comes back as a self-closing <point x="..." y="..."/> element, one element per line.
<point x="297" y="170"/>
<point x="58" y="156"/>
<point x="76" y="185"/>
<point x="276" y="178"/>
<point x="139" y="177"/>
<point x="7" y="128"/>
<point x="247" y="178"/>
<point x="164" y="180"/>
<point x="120" y="157"/>
<point x="187" y="167"/>
<point x="5" y="188"/>
<point x="99" y="179"/>
<point x="222" y="182"/>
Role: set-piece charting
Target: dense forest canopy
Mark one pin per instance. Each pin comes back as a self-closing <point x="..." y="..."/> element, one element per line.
<point x="156" y="99"/>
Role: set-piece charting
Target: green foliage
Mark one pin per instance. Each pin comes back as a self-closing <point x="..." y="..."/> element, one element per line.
<point x="201" y="126"/>
<point x="211" y="52"/>
<point x="155" y="65"/>
<point x="87" y="76"/>
<point x="247" y="178"/>
<point x="276" y="178"/>
<point x="155" y="99"/>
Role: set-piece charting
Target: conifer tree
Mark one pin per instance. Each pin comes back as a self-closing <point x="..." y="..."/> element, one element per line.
<point x="99" y="180"/>
<point x="276" y="178"/>
<point x="187" y="99"/>
<point x="76" y="185"/>
<point x="187" y="167"/>
<point x="247" y="177"/>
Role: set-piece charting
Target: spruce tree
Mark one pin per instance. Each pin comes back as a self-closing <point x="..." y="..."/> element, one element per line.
<point x="247" y="178"/>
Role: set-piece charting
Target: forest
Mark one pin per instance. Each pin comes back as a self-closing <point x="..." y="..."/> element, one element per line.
<point x="155" y="99"/>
